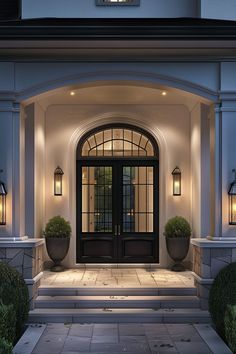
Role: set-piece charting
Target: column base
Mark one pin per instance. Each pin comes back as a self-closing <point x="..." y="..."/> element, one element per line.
<point x="26" y="256"/>
<point x="209" y="257"/>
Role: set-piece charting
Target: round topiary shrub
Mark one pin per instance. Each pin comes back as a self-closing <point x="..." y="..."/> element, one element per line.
<point x="177" y="227"/>
<point x="57" y="227"/>
<point x="222" y="294"/>
<point x="230" y="327"/>
<point x="5" y="347"/>
<point x="7" y="322"/>
<point x="13" y="290"/>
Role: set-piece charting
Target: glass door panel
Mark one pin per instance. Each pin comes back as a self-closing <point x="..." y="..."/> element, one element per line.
<point x="137" y="199"/>
<point x="97" y="198"/>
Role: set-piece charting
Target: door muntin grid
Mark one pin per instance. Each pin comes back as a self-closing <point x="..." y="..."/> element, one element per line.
<point x="137" y="199"/>
<point x="117" y="142"/>
<point x="104" y="156"/>
<point x="97" y="198"/>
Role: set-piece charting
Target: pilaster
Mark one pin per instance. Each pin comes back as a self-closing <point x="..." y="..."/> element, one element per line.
<point x="10" y="157"/>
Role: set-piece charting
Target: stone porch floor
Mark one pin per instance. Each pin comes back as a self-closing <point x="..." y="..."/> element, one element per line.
<point x="118" y="277"/>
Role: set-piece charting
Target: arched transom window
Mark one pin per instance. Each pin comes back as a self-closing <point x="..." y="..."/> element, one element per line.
<point x="118" y="142"/>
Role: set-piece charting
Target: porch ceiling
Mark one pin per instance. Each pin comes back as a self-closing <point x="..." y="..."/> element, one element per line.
<point x="118" y="93"/>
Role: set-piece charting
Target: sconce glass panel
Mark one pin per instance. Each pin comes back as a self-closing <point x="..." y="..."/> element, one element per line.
<point x="232" y="203"/>
<point x="3" y="195"/>
<point x="176" y="173"/>
<point x="117" y="2"/>
<point x="58" y="181"/>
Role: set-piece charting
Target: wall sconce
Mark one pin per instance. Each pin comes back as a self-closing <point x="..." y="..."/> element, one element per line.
<point x="176" y="173"/>
<point x="58" y="173"/>
<point x="3" y="194"/>
<point x="232" y="200"/>
<point x="117" y="2"/>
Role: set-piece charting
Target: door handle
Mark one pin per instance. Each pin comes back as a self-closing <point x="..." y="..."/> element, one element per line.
<point x="118" y="230"/>
<point x="115" y="230"/>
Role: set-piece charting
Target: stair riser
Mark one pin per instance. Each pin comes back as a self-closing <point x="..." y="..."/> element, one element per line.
<point x="116" y="292"/>
<point x="116" y="304"/>
<point x="114" y="318"/>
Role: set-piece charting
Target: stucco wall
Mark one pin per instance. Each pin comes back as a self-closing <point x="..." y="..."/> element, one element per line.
<point x="172" y="124"/>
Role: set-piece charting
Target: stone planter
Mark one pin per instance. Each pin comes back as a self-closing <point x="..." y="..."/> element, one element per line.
<point x="57" y="249"/>
<point x="177" y="248"/>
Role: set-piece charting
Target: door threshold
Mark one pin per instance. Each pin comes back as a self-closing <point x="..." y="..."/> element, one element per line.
<point x="118" y="265"/>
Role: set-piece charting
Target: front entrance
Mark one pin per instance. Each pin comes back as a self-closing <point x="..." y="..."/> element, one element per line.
<point x="117" y="196"/>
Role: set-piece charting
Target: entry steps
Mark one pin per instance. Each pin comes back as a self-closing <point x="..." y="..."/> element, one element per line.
<point x="106" y="305"/>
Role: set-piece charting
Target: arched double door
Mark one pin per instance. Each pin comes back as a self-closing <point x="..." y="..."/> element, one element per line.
<point x="117" y="196"/>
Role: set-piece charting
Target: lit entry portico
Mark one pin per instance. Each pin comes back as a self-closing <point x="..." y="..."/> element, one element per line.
<point x="117" y="196"/>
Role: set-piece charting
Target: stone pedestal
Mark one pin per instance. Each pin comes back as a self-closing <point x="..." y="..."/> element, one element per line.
<point x="209" y="257"/>
<point x="26" y="256"/>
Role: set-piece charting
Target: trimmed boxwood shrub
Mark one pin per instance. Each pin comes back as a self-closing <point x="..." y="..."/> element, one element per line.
<point x="5" y="347"/>
<point x="13" y="290"/>
<point x="230" y="327"/>
<point x="177" y="227"/>
<point x="7" y="322"/>
<point x="222" y="294"/>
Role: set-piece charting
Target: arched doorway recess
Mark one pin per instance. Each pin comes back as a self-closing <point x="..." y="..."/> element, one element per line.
<point x="117" y="204"/>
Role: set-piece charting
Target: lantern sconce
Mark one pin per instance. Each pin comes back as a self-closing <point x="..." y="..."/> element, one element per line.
<point x="58" y="173"/>
<point x="176" y="173"/>
<point x="3" y="195"/>
<point x="232" y="200"/>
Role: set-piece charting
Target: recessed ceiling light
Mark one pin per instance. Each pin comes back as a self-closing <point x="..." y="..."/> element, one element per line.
<point x="72" y="93"/>
<point x="164" y="93"/>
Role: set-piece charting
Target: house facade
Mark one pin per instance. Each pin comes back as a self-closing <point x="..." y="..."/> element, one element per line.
<point x="117" y="94"/>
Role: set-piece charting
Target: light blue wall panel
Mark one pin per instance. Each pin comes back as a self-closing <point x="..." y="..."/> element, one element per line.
<point x="87" y="8"/>
<point x="33" y="78"/>
<point x="218" y="9"/>
<point x="228" y="76"/>
<point x="6" y="76"/>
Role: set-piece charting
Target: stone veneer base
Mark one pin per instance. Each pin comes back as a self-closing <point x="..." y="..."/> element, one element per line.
<point x="26" y="256"/>
<point x="209" y="257"/>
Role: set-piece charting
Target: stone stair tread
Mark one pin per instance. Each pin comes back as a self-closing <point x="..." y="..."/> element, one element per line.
<point x="118" y="287"/>
<point x="110" y="315"/>
<point x="110" y="311"/>
<point x="108" y="298"/>
<point x="103" y="291"/>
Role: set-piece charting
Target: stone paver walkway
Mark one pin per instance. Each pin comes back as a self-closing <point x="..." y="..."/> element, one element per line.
<point x="118" y="277"/>
<point x="120" y="338"/>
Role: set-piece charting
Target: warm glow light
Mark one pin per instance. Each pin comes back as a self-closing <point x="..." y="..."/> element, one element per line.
<point x="58" y="187"/>
<point x="234" y="212"/>
<point x="58" y="173"/>
<point x="232" y="207"/>
<point x="176" y="173"/>
<point x="72" y="93"/>
<point x="232" y="200"/>
<point x="177" y="184"/>
<point x="177" y="187"/>
<point x="118" y="2"/>
<point x="164" y="93"/>
<point x="2" y="210"/>
<point x="3" y="194"/>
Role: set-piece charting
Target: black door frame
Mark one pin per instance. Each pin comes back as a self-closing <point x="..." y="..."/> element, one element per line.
<point x="117" y="242"/>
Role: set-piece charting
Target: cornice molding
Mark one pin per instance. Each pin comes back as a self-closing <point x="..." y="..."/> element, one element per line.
<point x="118" y="29"/>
